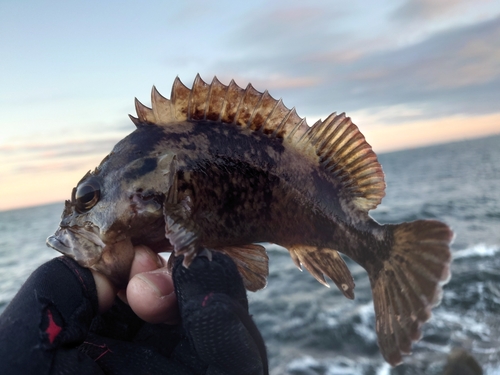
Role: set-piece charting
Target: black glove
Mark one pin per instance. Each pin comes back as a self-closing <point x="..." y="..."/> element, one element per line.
<point x="52" y="326"/>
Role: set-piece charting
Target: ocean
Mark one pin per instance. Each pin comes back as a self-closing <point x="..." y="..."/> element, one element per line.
<point x="313" y="330"/>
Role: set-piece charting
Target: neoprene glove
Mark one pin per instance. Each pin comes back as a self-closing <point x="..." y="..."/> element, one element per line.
<point x="52" y="326"/>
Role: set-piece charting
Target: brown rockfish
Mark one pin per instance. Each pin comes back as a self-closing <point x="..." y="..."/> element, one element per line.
<point x="222" y="168"/>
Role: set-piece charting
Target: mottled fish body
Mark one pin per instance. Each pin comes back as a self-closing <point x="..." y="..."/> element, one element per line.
<point x="223" y="168"/>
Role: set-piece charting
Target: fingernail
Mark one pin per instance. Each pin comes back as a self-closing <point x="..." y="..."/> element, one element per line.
<point x="158" y="281"/>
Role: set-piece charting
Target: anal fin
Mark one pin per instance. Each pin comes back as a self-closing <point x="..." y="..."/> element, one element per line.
<point x="252" y="263"/>
<point x="322" y="261"/>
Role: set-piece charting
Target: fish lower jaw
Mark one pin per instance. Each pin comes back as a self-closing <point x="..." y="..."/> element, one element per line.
<point x="85" y="248"/>
<point x="54" y="242"/>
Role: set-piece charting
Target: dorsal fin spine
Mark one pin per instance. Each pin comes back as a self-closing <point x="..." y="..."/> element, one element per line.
<point x="294" y="130"/>
<point x="217" y="85"/>
<point x="258" y="108"/>
<point x="208" y="98"/>
<point x="288" y="124"/>
<point x="281" y="125"/>
<point x="264" y="95"/>
<point x="307" y="135"/>
<point x="224" y="102"/>
<point x="162" y="108"/>
<point x="198" y="99"/>
<point x="250" y="119"/>
<point x="241" y="95"/>
<point x="180" y="98"/>
<point x="135" y="120"/>
<point x="314" y="131"/>
<point x="232" y="104"/>
<point x="145" y="114"/>
<point x="269" y="116"/>
<point x="242" y="99"/>
<point x="256" y="117"/>
<point x="190" y="100"/>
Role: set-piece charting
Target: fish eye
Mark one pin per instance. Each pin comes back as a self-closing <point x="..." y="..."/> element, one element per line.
<point x="87" y="195"/>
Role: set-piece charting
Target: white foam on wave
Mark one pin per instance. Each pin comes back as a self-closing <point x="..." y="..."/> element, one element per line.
<point x="479" y="250"/>
<point x="463" y="324"/>
<point x="345" y="313"/>
<point x="384" y="369"/>
<point x="491" y="369"/>
<point x="339" y="366"/>
<point x="303" y="364"/>
<point x="365" y="328"/>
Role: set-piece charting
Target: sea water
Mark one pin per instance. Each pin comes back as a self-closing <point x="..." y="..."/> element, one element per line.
<point x="313" y="330"/>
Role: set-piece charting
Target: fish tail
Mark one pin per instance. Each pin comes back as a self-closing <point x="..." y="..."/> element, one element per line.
<point x="409" y="283"/>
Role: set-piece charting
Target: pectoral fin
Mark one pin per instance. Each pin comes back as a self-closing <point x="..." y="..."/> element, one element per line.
<point x="251" y="260"/>
<point x="182" y="234"/>
<point x="180" y="230"/>
<point x="322" y="261"/>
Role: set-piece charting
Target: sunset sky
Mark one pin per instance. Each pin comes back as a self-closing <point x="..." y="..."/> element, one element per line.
<point x="408" y="72"/>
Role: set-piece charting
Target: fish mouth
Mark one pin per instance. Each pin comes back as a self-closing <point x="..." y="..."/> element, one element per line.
<point x="55" y="243"/>
<point x="80" y="244"/>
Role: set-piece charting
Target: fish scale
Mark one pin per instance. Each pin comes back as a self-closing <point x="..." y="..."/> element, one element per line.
<point x="224" y="168"/>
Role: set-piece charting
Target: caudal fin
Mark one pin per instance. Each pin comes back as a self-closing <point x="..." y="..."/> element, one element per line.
<point x="409" y="284"/>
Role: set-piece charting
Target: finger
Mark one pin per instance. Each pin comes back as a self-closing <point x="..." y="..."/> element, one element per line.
<point x="152" y="297"/>
<point x="106" y="292"/>
<point x="144" y="260"/>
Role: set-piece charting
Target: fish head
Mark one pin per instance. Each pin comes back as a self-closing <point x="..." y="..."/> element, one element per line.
<point x="112" y="209"/>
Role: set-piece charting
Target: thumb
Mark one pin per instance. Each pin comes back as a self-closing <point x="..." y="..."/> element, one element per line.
<point x="152" y="297"/>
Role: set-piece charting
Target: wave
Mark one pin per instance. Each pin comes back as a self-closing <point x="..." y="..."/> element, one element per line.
<point x="479" y="250"/>
<point x="341" y="365"/>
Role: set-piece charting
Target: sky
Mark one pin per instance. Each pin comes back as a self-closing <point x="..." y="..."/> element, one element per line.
<point x="408" y="72"/>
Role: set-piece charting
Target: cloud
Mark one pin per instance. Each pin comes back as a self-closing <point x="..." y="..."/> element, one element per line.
<point x="64" y="155"/>
<point x="417" y="10"/>
<point x="44" y="168"/>
<point x="417" y="133"/>
<point x="60" y="149"/>
<point x="451" y="72"/>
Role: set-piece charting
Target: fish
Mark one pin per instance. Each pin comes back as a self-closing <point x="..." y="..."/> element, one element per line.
<point x="222" y="168"/>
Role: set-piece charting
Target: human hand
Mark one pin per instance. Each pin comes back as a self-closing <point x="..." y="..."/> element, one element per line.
<point x="53" y="325"/>
<point x="150" y="291"/>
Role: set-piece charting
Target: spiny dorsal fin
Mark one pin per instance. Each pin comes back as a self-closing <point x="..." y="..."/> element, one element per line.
<point x="217" y="102"/>
<point x="339" y="145"/>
